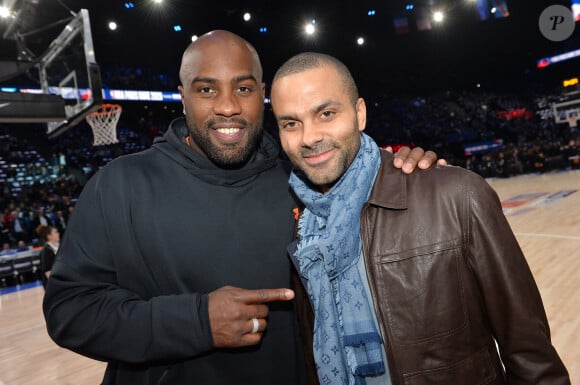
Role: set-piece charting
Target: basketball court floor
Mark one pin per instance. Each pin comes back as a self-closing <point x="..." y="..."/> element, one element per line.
<point x="543" y="210"/>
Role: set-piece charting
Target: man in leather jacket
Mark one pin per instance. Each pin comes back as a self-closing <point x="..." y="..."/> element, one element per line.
<point x="451" y="301"/>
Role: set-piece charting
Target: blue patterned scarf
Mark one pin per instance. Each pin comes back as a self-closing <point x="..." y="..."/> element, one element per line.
<point x="347" y="346"/>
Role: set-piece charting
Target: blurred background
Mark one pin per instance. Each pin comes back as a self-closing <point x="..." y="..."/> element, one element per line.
<point x="490" y="85"/>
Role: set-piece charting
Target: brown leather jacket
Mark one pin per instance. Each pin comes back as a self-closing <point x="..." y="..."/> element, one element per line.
<point x="448" y="280"/>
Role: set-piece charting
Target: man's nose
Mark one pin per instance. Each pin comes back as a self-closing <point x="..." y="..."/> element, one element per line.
<point x="227" y="104"/>
<point x="311" y="134"/>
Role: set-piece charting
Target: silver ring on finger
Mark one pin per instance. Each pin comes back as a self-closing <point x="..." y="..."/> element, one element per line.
<point x="256" y="325"/>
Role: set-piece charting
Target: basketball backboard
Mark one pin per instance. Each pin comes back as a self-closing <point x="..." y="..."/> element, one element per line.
<point x="68" y="69"/>
<point x="568" y="111"/>
<point x="69" y="79"/>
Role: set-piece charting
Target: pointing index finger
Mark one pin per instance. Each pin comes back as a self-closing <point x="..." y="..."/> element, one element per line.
<point x="268" y="295"/>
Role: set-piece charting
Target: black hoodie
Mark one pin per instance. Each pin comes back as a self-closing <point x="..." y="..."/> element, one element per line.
<point x="151" y="235"/>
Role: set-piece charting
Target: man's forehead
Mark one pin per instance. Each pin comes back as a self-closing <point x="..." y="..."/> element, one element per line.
<point x="232" y="74"/>
<point x="218" y="78"/>
<point x="222" y="66"/>
<point x="318" y="81"/>
<point x="322" y="74"/>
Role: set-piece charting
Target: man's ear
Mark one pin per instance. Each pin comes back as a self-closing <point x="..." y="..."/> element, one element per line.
<point x="182" y="94"/>
<point x="361" y="114"/>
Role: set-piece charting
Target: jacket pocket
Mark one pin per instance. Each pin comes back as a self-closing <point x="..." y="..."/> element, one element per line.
<point x="421" y="294"/>
<point x="474" y="370"/>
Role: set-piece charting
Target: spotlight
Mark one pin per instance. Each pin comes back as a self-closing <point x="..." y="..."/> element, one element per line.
<point x="247" y="16"/>
<point x="309" y="29"/>
<point x="438" y="16"/>
<point x="177" y="28"/>
<point x="263" y="29"/>
<point x="4" y="12"/>
<point x="194" y="38"/>
<point x="112" y="25"/>
<point x="360" y="41"/>
<point x="372" y="12"/>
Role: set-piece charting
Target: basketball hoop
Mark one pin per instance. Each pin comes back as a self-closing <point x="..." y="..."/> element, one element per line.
<point x="104" y="124"/>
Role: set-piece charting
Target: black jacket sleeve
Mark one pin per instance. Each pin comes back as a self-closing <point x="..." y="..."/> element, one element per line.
<point x="88" y="309"/>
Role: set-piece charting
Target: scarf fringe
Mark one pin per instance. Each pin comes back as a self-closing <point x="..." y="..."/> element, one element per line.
<point x="361" y="339"/>
<point x="373" y="369"/>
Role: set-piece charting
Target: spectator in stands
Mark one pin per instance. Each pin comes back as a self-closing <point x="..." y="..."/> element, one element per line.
<point x="59" y="221"/>
<point x="174" y="253"/>
<point x="571" y="153"/>
<point x="7" y="249"/>
<point x="19" y="225"/>
<point x="21" y="246"/>
<point x="40" y="219"/>
<point x="51" y="239"/>
<point x="9" y="216"/>
<point x="5" y="234"/>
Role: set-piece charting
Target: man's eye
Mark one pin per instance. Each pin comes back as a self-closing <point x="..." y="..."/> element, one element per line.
<point x="288" y="125"/>
<point x="327" y="114"/>
<point x="205" y="90"/>
<point x="244" y="89"/>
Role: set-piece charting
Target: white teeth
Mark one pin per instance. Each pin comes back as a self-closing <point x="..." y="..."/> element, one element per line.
<point x="228" y="131"/>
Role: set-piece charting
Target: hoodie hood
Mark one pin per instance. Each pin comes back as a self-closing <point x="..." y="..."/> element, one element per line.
<point x="173" y="145"/>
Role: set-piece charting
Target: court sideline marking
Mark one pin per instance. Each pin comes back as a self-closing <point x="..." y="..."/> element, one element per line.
<point x="574" y="238"/>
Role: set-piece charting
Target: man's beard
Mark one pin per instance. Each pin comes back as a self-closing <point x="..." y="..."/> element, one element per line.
<point x="232" y="156"/>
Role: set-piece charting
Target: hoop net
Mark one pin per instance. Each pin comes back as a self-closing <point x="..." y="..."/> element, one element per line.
<point x="573" y="117"/>
<point x="104" y="124"/>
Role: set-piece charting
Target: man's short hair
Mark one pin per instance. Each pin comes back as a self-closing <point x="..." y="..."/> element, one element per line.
<point x="310" y="60"/>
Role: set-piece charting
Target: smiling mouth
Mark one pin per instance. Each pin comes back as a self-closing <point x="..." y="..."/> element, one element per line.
<point x="319" y="158"/>
<point x="228" y="135"/>
<point x="228" y="130"/>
